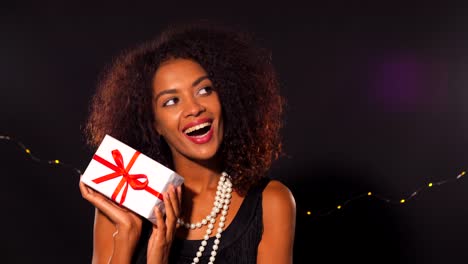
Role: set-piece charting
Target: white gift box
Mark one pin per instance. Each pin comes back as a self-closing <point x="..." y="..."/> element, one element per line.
<point x="129" y="178"/>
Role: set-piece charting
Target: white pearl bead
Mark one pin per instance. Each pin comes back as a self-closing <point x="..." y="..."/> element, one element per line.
<point x="222" y="199"/>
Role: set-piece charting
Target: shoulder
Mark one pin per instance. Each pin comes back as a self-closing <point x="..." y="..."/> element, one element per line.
<point x="277" y="200"/>
<point x="279" y="220"/>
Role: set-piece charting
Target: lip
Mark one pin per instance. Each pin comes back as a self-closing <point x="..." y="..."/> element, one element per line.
<point x="203" y="139"/>
<point x="196" y="122"/>
<point x="199" y="139"/>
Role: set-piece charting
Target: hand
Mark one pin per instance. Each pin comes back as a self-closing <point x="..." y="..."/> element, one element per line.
<point x="159" y="244"/>
<point x="127" y="224"/>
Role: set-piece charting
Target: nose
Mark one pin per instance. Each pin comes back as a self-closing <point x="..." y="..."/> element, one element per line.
<point x="193" y="107"/>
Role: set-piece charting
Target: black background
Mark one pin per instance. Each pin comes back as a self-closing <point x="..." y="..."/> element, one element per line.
<point x="376" y="101"/>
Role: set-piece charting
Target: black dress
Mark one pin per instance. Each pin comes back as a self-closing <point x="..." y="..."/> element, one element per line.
<point x="238" y="243"/>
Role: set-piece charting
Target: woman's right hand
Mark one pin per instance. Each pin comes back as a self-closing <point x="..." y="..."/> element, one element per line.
<point x="112" y="223"/>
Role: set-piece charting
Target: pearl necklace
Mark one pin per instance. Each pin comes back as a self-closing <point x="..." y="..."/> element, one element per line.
<point x="221" y="203"/>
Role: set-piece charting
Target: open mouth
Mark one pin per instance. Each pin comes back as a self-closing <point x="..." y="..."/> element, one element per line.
<point x="198" y="130"/>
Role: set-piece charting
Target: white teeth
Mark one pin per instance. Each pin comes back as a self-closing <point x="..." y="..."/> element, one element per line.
<point x="200" y="126"/>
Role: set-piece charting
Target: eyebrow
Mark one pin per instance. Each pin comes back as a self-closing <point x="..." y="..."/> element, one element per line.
<point x="173" y="90"/>
<point x="199" y="80"/>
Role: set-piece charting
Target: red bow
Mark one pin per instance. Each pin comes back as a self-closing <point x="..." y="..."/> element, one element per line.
<point x="127" y="178"/>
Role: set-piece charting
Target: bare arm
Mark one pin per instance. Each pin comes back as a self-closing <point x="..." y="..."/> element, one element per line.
<point x="279" y="221"/>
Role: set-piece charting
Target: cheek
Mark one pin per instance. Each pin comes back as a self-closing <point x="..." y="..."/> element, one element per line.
<point x="165" y="121"/>
<point x="159" y="122"/>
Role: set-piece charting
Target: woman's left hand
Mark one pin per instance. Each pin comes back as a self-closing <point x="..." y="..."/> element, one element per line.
<point x="159" y="244"/>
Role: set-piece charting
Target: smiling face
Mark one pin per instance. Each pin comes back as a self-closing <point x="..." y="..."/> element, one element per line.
<point x="187" y="110"/>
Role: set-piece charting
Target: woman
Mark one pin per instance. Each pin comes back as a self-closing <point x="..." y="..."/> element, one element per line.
<point x="204" y="101"/>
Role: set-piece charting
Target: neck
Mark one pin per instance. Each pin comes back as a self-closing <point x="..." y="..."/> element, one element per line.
<point x="198" y="176"/>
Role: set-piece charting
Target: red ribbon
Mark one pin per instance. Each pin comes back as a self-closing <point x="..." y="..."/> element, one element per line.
<point x="127" y="178"/>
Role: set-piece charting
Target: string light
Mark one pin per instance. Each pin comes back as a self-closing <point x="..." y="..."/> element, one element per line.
<point x="400" y="201"/>
<point x="57" y="162"/>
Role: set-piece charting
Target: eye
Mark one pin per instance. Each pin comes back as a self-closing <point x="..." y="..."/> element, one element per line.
<point x="205" y="90"/>
<point x="171" y="101"/>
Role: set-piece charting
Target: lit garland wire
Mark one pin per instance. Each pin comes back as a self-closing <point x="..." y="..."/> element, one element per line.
<point x="309" y="213"/>
<point x="26" y="150"/>
<point x="390" y="201"/>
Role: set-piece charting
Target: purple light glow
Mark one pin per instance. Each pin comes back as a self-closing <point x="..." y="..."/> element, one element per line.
<point x="407" y="83"/>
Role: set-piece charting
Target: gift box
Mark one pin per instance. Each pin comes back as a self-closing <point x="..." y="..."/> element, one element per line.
<point x="129" y="177"/>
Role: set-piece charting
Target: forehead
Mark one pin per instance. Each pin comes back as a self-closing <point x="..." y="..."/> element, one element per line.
<point x="177" y="72"/>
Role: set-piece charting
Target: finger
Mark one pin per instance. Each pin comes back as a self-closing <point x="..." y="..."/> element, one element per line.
<point x="85" y="190"/>
<point x="179" y="195"/>
<point x="159" y="229"/>
<point x="171" y="217"/>
<point x="175" y="201"/>
<point x="179" y="204"/>
<point x="104" y="204"/>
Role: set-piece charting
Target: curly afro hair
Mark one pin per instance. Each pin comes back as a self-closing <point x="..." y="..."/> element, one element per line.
<point x="242" y="74"/>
